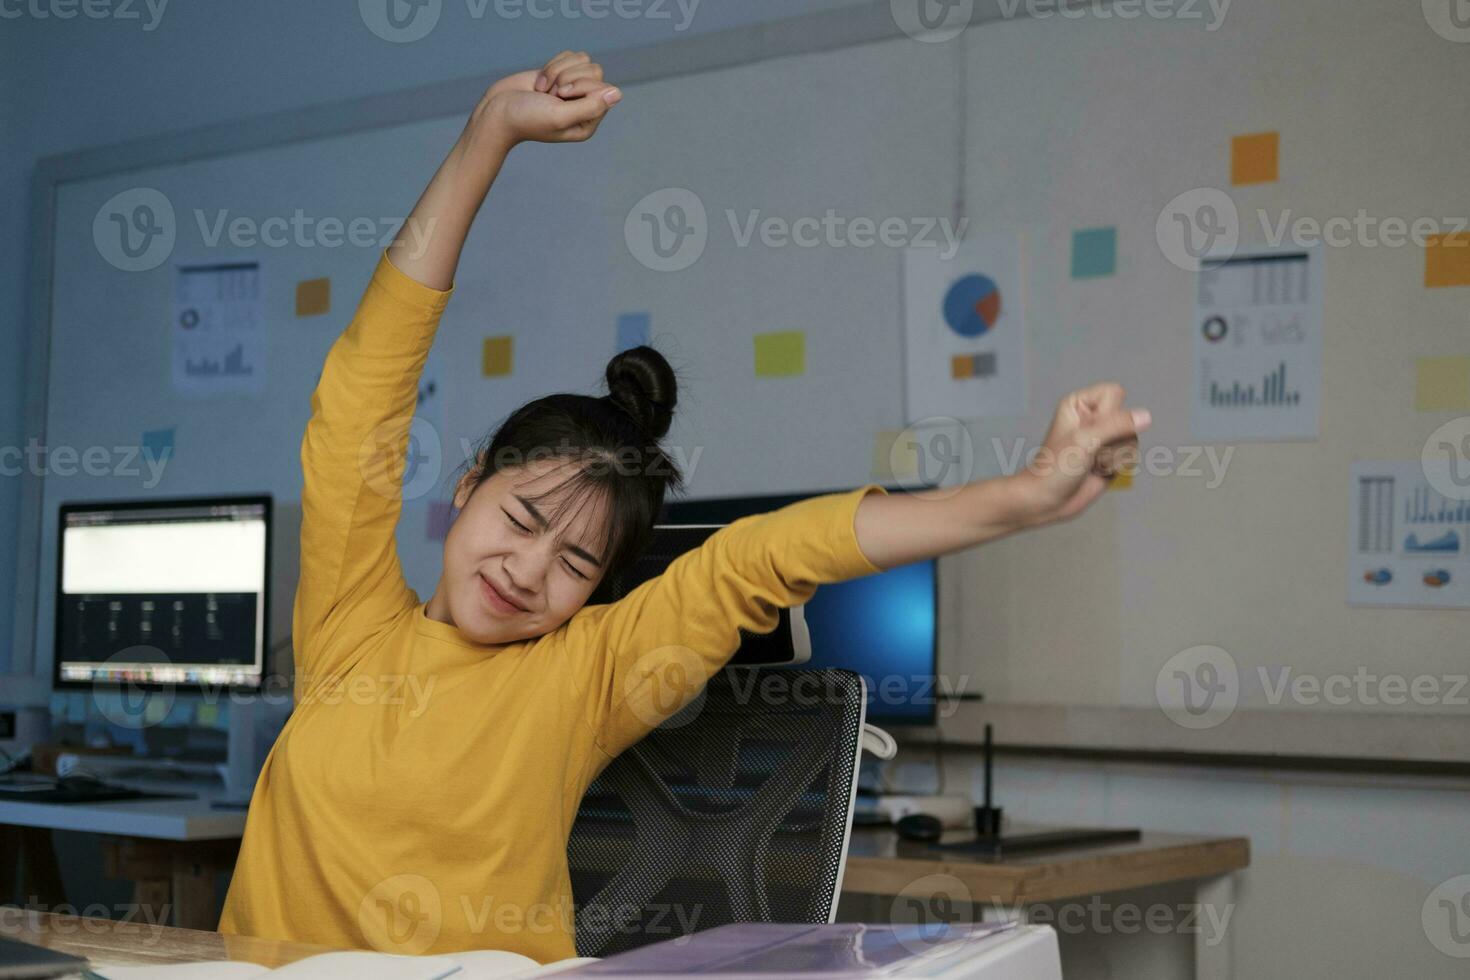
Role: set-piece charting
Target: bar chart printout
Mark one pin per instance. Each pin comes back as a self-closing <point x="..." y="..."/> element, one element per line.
<point x="1407" y="543"/>
<point x="1258" y="347"/>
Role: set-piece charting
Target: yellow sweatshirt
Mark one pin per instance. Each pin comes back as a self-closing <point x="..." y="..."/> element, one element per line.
<point x="420" y="796"/>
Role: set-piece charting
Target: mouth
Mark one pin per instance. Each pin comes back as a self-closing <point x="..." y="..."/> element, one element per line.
<point x="497" y="599"/>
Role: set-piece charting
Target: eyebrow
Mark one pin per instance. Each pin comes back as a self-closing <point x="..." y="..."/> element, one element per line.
<point x="537" y="516"/>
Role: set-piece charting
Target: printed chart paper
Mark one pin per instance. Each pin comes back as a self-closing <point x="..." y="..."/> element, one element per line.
<point x="965" y="331"/>
<point x="1406" y="540"/>
<point x="218" y="330"/>
<point x="1258" y="347"/>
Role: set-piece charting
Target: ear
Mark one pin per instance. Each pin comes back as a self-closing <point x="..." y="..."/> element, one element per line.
<point x="465" y="488"/>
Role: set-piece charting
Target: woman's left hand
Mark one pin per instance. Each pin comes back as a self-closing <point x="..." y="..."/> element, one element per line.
<point x="1092" y="437"/>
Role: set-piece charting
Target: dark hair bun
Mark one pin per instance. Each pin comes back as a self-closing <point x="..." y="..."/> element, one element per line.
<point x="642" y="383"/>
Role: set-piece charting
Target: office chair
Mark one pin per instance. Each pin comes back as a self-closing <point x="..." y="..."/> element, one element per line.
<point x="736" y="809"/>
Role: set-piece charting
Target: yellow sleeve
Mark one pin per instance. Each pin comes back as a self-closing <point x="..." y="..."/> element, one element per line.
<point x="641" y="658"/>
<point x="352" y="461"/>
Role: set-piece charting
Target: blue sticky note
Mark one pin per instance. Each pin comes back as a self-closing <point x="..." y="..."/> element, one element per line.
<point x="1094" y="253"/>
<point x="633" y="330"/>
<point x="158" y="444"/>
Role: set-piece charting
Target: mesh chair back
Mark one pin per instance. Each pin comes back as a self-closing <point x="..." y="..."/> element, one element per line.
<point x="736" y="809"/>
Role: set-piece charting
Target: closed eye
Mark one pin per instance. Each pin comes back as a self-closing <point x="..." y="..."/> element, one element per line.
<point x="521" y="527"/>
<point x="574" y="569"/>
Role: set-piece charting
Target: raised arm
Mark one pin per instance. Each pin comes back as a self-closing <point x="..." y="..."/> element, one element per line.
<point x="1092" y="436"/>
<point x="564" y="102"/>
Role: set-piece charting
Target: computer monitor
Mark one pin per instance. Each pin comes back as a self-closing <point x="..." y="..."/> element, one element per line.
<point x="884" y="627"/>
<point x="163" y="593"/>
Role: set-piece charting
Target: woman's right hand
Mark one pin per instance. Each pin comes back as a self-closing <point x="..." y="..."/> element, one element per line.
<point x="564" y="102"/>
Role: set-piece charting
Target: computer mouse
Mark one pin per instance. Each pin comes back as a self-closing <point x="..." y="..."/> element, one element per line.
<point x="921" y="827"/>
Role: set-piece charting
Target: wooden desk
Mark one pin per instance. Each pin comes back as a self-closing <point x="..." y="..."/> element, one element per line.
<point x="115" y="943"/>
<point x="880" y="863"/>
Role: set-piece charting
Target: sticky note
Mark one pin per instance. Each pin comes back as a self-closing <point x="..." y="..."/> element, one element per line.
<point x="1253" y="158"/>
<point x="633" y="330"/>
<point x="1094" y="253"/>
<point x="1443" y="384"/>
<point x="313" y="297"/>
<point x="206" y="715"/>
<point x="972" y="366"/>
<point x="780" y="354"/>
<point x="440" y="517"/>
<point x="158" y="444"/>
<point x="1122" y="480"/>
<point x="499" y="359"/>
<point x="895" y="455"/>
<point x="1447" y="260"/>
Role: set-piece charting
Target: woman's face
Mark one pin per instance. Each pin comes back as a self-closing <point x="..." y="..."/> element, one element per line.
<point x="507" y="575"/>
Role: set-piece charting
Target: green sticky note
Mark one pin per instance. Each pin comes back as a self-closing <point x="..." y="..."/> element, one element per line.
<point x="781" y="354"/>
<point x="1443" y="384"/>
<point x="1094" y="253"/>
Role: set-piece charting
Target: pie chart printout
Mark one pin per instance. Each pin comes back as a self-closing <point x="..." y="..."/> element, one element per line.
<point x="972" y="305"/>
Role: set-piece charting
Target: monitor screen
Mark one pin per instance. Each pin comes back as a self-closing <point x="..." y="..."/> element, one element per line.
<point x="163" y="593"/>
<point x="884" y="627"/>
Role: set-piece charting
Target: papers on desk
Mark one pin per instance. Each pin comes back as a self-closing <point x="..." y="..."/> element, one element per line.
<point x="472" y="965"/>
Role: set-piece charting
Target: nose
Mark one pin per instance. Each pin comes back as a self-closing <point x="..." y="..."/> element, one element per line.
<point x="526" y="570"/>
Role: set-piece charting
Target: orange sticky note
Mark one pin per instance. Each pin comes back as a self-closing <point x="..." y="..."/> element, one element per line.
<point x="962" y="366"/>
<point x="1253" y="158"/>
<point x="313" y="297"/>
<point x="499" y="357"/>
<point x="1447" y="260"/>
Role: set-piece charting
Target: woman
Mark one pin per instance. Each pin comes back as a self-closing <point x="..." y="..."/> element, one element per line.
<point x="420" y="797"/>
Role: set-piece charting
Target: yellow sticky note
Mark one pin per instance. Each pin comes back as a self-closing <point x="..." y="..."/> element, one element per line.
<point x="894" y="455"/>
<point x="499" y="358"/>
<point x="780" y="354"/>
<point x="206" y="715"/>
<point x="1253" y="158"/>
<point x="313" y="297"/>
<point x="1447" y="260"/>
<point x="1444" y="384"/>
<point x="1122" y="480"/>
